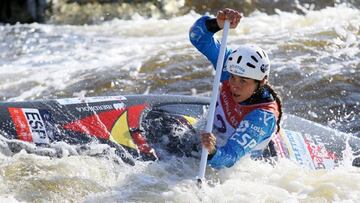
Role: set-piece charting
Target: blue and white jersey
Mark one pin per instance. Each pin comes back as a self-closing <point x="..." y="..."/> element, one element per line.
<point x="253" y="133"/>
<point x="239" y="128"/>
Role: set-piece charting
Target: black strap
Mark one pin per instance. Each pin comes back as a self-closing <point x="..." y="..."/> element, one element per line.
<point x="212" y="25"/>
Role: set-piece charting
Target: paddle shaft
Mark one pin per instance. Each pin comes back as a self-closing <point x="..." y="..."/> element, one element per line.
<point x="214" y="95"/>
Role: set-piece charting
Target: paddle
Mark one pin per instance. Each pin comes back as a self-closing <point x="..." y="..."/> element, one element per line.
<point x="214" y="95"/>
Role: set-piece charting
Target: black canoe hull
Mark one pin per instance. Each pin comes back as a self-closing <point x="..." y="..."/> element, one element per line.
<point x="136" y="124"/>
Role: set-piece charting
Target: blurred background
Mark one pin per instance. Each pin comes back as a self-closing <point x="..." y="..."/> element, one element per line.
<point x="93" y="11"/>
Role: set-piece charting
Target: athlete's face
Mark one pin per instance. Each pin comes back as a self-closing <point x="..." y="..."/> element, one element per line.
<point x="241" y="88"/>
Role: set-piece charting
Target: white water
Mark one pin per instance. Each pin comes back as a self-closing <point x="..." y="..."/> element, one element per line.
<point x="154" y="56"/>
<point x="56" y="57"/>
<point x="32" y="178"/>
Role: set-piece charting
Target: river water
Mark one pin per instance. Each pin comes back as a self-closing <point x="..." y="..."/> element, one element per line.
<point x="315" y="66"/>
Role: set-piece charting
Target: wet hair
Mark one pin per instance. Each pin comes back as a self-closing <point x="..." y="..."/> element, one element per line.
<point x="278" y="101"/>
<point x="259" y="89"/>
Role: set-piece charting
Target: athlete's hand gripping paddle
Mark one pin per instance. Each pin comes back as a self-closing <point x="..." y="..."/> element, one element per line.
<point x="214" y="95"/>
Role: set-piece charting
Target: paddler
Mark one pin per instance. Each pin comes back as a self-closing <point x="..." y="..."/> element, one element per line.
<point x="248" y="109"/>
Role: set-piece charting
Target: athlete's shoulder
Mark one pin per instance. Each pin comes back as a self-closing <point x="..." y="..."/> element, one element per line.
<point x="260" y="119"/>
<point x="259" y="114"/>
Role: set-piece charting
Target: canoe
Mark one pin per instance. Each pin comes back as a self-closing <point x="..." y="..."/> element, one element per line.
<point x="151" y="127"/>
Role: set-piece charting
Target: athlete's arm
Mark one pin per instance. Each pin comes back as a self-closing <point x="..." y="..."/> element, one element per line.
<point x="253" y="132"/>
<point x="202" y="37"/>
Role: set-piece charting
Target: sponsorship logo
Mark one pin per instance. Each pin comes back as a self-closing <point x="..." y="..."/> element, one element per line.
<point x="258" y="129"/>
<point x="246" y="141"/>
<point x="119" y="106"/>
<point x="267" y="117"/>
<point x="322" y="158"/>
<point x="298" y="154"/>
<point x="264" y="67"/>
<point x="106" y="107"/>
<point x="29" y="125"/>
<point x="237" y="69"/>
<point x="94" y="108"/>
<point x="229" y="111"/>
<point x="243" y="126"/>
<point x="298" y="148"/>
<point x="69" y="101"/>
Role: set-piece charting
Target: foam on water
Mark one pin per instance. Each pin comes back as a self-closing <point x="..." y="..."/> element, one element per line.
<point x="119" y="45"/>
<point x="27" y="177"/>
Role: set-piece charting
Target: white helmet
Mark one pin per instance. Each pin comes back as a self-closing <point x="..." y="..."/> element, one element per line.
<point x="248" y="61"/>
